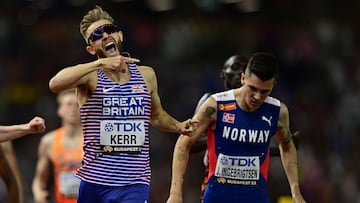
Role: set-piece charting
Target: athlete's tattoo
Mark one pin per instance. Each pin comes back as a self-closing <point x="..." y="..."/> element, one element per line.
<point x="287" y="137"/>
<point x="209" y="111"/>
<point x="181" y="154"/>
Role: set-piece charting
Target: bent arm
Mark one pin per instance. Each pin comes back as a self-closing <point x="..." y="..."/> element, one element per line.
<point x="11" y="132"/>
<point x="73" y="76"/>
<point x="288" y="154"/>
<point x="206" y="117"/>
<point x="160" y="119"/>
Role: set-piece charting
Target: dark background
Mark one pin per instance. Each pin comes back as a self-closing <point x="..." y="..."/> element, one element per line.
<point x="187" y="42"/>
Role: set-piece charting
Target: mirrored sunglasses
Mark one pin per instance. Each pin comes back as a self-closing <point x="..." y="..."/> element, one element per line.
<point x="98" y="32"/>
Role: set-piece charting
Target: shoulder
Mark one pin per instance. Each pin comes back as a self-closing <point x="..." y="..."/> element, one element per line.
<point x="147" y="71"/>
<point x="48" y="139"/>
<point x="224" y="96"/>
<point x="284" y="112"/>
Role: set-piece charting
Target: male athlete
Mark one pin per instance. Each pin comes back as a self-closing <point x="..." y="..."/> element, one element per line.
<point x="118" y="101"/>
<point x="240" y="123"/>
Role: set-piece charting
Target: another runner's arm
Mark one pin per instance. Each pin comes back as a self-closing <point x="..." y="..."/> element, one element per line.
<point x="288" y="153"/>
<point x="11" y="132"/>
<point x="206" y="117"/>
<point x="8" y="150"/>
<point x="201" y="144"/>
<point x="43" y="171"/>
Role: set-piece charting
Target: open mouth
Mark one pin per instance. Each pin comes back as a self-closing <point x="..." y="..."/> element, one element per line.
<point x="110" y="48"/>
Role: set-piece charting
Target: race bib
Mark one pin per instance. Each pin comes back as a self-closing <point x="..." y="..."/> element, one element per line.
<point x="239" y="170"/>
<point x="69" y="184"/>
<point x="122" y="136"/>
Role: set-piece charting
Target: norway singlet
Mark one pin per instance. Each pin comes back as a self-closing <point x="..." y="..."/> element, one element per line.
<point x="238" y="151"/>
<point x="66" y="162"/>
<point x="115" y="121"/>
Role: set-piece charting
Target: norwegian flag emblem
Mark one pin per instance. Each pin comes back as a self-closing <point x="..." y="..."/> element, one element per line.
<point x="137" y="88"/>
<point x="228" y="117"/>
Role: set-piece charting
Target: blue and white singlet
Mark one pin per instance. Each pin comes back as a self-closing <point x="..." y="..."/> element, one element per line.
<point x="115" y="121"/>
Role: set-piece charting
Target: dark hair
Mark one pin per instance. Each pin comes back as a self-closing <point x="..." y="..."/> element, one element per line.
<point x="263" y="65"/>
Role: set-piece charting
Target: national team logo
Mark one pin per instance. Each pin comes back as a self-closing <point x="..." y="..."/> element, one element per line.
<point x="227" y="107"/>
<point x="228" y="117"/>
<point x="137" y="88"/>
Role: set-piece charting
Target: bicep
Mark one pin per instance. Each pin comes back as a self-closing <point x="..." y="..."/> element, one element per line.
<point x="152" y="86"/>
<point x="283" y="134"/>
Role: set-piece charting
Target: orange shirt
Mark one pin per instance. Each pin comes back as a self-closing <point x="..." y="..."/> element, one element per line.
<point x="66" y="162"/>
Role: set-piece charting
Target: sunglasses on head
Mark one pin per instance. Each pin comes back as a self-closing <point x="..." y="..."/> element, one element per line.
<point x="98" y="32"/>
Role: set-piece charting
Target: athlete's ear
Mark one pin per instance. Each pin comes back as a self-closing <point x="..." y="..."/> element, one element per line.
<point x="242" y="78"/>
<point x="121" y="36"/>
<point x="222" y="74"/>
<point x="90" y="50"/>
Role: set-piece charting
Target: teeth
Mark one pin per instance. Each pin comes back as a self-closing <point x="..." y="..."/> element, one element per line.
<point x="110" y="46"/>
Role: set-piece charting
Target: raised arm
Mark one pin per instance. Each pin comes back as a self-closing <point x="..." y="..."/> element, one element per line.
<point x="10" y="132"/>
<point x="288" y="154"/>
<point x="206" y="117"/>
<point x="82" y="74"/>
<point x="73" y="76"/>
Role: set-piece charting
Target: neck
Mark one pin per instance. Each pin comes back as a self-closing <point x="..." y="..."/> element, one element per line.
<point x="119" y="75"/>
<point x="72" y="130"/>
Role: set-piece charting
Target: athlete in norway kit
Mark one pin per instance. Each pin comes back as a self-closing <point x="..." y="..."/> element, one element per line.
<point x="240" y="123"/>
<point x="238" y="149"/>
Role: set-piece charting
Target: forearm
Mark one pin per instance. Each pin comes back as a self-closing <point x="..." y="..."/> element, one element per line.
<point x="179" y="165"/>
<point x="11" y="132"/>
<point x="72" y="76"/>
<point x="289" y="161"/>
<point x="164" y="122"/>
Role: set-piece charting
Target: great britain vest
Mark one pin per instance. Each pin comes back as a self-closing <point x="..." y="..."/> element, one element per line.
<point x="115" y="121"/>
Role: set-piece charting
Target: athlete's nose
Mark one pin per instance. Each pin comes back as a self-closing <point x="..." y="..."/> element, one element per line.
<point x="257" y="95"/>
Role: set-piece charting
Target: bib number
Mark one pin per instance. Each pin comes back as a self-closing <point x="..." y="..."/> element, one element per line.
<point x="238" y="170"/>
<point x="122" y="136"/>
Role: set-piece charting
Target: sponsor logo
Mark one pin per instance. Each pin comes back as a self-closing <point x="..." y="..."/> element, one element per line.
<point x="268" y="120"/>
<point x="227" y="107"/>
<point x="106" y="90"/>
<point x="221" y="180"/>
<point x="108" y="149"/>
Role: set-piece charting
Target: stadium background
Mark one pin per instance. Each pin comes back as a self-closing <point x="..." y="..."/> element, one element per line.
<point x="316" y="42"/>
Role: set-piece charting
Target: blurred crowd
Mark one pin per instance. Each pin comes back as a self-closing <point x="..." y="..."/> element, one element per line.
<point x="317" y="44"/>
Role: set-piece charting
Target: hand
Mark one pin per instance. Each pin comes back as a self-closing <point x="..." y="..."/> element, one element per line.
<point x="174" y="199"/>
<point x="113" y="63"/>
<point x="36" y="125"/>
<point x="187" y="127"/>
<point x="299" y="199"/>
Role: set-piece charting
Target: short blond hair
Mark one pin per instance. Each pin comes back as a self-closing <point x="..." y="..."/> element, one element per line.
<point x="92" y="16"/>
<point x="61" y="95"/>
